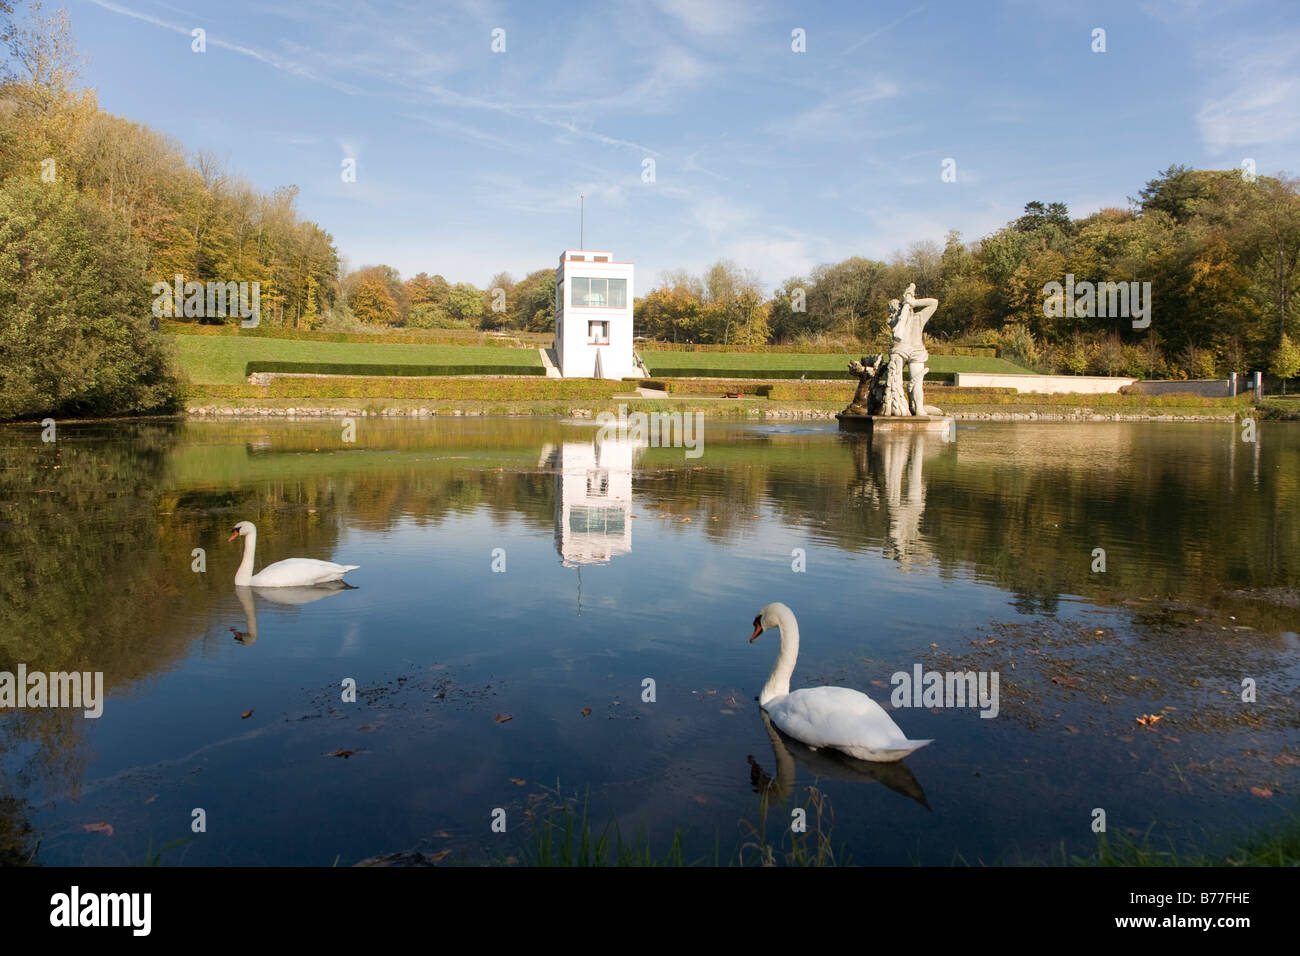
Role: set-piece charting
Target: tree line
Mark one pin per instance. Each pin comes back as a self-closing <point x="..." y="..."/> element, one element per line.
<point x="94" y="209"/>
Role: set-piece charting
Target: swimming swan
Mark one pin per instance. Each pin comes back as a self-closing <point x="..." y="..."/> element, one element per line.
<point x="834" y="717"/>
<point x="289" y="573"/>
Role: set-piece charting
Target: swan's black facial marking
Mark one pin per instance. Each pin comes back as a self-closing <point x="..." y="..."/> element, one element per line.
<point x="758" y="627"/>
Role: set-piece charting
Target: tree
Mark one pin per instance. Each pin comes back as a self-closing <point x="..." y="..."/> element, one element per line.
<point x="74" y="337"/>
<point x="372" y="302"/>
<point x="466" y="303"/>
<point x="1286" y="361"/>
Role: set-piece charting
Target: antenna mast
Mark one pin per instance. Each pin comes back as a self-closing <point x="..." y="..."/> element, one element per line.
<point x="581" y="220"/>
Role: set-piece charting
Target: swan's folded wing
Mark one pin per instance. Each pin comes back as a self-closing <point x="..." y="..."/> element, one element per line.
<point x="300" y="572"/>
<point x="838" y="717"/>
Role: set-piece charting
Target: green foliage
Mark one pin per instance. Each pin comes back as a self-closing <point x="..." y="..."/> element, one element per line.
<point x="531" y="388"/>
<point x="356" y="368"/>
<point x="74" y="338"/>
<point x="1286" y="359"/>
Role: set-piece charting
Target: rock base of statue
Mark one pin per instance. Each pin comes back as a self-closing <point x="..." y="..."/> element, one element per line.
<point x="869" y="424"/>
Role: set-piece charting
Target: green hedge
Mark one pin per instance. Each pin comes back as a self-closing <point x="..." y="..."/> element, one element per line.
<point x="779" y="373"/>
<point x="375" y="369"/>
<point x="444" y="389"/>
<point x="830" y="349"/>
<point x="760" y="373"/>
<point x="433" y="337"/>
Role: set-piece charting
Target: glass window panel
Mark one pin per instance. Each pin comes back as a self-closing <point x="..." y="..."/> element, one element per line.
<point x="617" y="297"/>
<point x="578" y="290"/>
<point x="596" y="297"/>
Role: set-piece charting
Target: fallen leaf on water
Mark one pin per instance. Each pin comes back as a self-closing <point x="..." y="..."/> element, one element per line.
<point x="151" y="800"/>
<point x="1257" y="791"/>
<point x="518" y="781"/>
<point x="1071" y="729"/>
<point x="727" y="711"/>
<point x="1148" y="719"/>
<point x="991" y="640"/>
<point x="439" y="856"/>
<point x="1065" y="681"/>
<point x="108" y="827"/>
<point x="686" y="519"/>
<point x="586" y="711"/>
<point x="878" y="683"/>
<point x="245" y="715"/>
<point x="1286" y="760"/>
<point x="502" y="718"/>
<point x="345" y="754"/>
<point x="534" y="797"/>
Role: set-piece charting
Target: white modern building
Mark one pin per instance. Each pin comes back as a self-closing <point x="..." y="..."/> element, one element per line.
<point x="593" y="316"/>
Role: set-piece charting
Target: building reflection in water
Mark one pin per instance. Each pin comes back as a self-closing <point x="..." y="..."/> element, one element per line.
<point x="593" y="498"/>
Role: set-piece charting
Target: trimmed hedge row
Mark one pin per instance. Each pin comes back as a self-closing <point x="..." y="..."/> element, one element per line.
<point x="783" y="374"/>
<point x="378" y="369"/>
<point x="435" y="337"/>
<point x="934" y="349"/>
<point x="484" y="390"/>
<point x="759" y="373"/>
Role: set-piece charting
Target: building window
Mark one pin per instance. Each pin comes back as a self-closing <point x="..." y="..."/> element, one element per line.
<point x="577" y="258"/>
<point x="598" y="293"/>
<point x="597" y="333"/>
<point x="600" y="258"/>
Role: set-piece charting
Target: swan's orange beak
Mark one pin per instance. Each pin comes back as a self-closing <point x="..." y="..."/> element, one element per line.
<point x="233" y="536"/>
<point x="758" y="629"/>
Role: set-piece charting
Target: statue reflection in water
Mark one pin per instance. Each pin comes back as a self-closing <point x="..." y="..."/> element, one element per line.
<point x="888" y="471"/>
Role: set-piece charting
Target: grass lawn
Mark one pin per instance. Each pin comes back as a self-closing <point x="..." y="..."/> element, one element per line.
<point x="810" y="363"/>
<point x="220" y="360"/>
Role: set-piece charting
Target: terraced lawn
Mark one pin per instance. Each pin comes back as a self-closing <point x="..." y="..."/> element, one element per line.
<point x="220" y="360"/>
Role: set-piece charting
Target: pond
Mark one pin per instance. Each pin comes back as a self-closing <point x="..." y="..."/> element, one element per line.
<point x="546" y="616"/>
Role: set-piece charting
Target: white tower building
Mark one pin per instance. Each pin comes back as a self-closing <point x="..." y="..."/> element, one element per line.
<point x="593" y="316"/>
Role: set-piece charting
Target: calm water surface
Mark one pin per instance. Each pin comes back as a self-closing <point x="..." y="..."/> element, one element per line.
<point x="623" y="564"/>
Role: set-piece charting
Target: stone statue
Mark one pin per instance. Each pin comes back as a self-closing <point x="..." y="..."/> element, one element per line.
<point x="880" y="381"/>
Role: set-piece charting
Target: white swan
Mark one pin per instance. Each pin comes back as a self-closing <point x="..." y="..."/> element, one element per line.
<point x="289" y="573"/>
<point x="834" y="717"/>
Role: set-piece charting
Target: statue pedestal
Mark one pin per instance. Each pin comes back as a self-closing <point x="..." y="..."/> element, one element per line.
<point x="869" y="424"/>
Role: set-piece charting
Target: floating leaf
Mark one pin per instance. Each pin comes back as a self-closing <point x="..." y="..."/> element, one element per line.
<point x="502" y="718"/>
<point x="1148" y="719"/>
<point x="1073" y="730"/>
<point x="586" y="711"/>
<point x="151" y="800"/>
<point x="518" y="781"/>
<point x="108" y="827"/>
<point x="1286" y="760"/>
<point x="345" y="754"/>
<point x="245" y="715"/>
<point x="439" y="856"/>
<point x="1264" y="792"/>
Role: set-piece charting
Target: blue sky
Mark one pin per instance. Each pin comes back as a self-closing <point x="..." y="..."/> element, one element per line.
<point x="470" y="161"/>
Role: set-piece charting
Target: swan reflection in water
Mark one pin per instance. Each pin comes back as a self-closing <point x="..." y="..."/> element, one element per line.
<point x="826" y="764"/>
<point x="286" y="596"/>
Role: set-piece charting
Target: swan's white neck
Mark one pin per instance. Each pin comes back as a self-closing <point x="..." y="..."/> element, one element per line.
<point x="245" y="573"/>
<point x="778" y="682"/>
